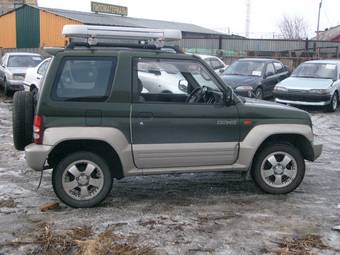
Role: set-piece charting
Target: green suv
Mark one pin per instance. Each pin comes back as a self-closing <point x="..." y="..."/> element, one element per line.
<point x="111" y="112"/>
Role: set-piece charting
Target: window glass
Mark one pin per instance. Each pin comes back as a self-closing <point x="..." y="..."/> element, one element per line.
<point x="247" y="68"/>
<point x="43" y="67"/>
<point x="216" y="64"/>
<point x="316" y="70"/>
<point x="85" y="79"/>
<point x="270" y="69"/>
<point x="278" y="67"/>
<point x="172" y="80"/>
<point x="23" y="61"/>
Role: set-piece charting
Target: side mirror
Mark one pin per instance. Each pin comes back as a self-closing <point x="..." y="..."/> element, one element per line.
<point x="183" y="85"/>
<point x="228" y="97"/>
<point x="221" y="70"/>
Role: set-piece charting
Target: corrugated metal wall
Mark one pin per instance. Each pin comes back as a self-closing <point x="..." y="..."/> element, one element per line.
<point x="7" y="27"/>
<point x="28" y="27"/>
<point x="51" y="26"/>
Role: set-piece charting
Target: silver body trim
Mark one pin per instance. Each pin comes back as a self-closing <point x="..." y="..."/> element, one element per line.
<point x="210" y="155"/>
<point x="302" y="102"/>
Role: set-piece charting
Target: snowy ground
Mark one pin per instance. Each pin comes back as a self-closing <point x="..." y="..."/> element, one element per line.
<point x="213" y="213"/>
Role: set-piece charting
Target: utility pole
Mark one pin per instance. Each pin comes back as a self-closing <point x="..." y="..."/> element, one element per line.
<point x="247" y="18"/>
<point x="318" y="28"/>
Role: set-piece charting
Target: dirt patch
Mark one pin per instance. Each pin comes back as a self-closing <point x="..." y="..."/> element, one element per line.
<point x="81" y="241"/>
<point x="8" y="203"/>
<point x="303" y="246"/>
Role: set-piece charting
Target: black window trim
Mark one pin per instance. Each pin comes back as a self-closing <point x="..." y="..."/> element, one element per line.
<point x="114" y="60"/>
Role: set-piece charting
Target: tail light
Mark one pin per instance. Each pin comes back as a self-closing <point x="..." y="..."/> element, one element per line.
<point x="38" y="129"/>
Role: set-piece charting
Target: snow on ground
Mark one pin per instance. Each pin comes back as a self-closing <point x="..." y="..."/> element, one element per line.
<point x="208" y="213"/>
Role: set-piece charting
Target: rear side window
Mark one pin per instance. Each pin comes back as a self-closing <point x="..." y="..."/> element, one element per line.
<point x="84" y="79"/>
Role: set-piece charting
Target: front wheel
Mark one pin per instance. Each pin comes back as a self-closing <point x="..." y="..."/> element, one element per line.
<point x="259" y="93"/>
<point x="279" y="169"/>
<point x="334" y="103"/>
<point x="82" y="179"/>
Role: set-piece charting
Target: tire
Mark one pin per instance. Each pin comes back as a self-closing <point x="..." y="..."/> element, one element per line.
<point x="22" y="115"/>
<point x="69" y="189"/>
<point x="34" y="92"/>
<point x="259" y="93"/>
<point x="7" y="90"/>
<point x="334" y="103"/>
<point x="277" y="178"/>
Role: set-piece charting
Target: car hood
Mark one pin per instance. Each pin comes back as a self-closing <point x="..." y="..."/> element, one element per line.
<point x="235" y="81"/>
<point x="19" y="70"/>
<point x="305" y="83"/>
<point x="254" y="108"/>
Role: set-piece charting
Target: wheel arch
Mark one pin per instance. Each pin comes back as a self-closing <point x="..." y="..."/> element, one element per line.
<point x="99" y="147"/>
<point x="297" y="140"/>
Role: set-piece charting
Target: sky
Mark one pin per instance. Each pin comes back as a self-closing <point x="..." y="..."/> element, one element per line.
<point x="228" y="16"/>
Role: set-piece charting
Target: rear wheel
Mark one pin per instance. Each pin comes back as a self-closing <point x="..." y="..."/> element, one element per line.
<point x="82" y="179"/>
<point x="279" y="169"/>
<point x="334" y="103"/>
<point x="22" y="115"/>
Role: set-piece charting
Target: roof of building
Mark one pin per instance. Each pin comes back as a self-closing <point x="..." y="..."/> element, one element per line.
<point x="91" y="18"/>
<point x="329" y="34"/>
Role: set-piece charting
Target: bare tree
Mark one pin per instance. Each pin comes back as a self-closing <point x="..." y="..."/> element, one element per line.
<point x="293" y="27"/>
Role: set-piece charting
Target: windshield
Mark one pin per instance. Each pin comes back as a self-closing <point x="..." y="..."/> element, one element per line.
<point x="248" y="68"/>
<point x="23" y="61"/>
<point x="316" y="70"/>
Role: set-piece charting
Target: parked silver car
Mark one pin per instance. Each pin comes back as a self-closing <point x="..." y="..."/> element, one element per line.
<point x="312" y="83"/>
<point x="13" y="69"/>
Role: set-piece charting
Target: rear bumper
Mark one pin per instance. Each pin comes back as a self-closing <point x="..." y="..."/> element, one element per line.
<point x="36" y="156"/>
<point x="302" y="98"/>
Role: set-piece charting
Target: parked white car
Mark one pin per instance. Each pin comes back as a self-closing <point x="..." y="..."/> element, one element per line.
<point x="314" y="83"/>
<point x="13" y="67"/>
<point x="34" y="76"/>
<point x="215" y="63"/>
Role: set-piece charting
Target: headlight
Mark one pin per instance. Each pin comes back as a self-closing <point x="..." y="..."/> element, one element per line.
<point x="244" y="88"/>
<point x="280" y="88"/>
<point x="320" y="91"/>
<point x="18" y="77"/>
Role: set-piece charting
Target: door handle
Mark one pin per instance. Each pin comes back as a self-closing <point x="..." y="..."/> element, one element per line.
<point x="145" y="115"/>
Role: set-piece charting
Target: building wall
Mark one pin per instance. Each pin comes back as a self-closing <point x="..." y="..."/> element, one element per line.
<point x="27" y="27"/>
<point x="8" y="26"/>
<point x="51" y="26"/>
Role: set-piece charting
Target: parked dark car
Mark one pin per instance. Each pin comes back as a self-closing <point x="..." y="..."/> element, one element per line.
<point x="255" y="77"/>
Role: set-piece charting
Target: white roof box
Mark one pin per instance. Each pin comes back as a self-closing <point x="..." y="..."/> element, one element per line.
<point x="157" y="37"/>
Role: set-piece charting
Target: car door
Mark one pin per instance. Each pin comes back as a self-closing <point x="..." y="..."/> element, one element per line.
<point x="270" y="79"/>
<point x="281" y="71"/>
<point x="168" y="132"/>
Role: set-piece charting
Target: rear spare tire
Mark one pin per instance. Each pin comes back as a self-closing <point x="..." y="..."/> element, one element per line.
<point x="23" y="114"/>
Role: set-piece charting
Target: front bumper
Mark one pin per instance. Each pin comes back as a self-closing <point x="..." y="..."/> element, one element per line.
<point x="317" y="149"/>
<point x="36" y="156"/>
<point x="301" y="98"/>
<point x="15" y="85"/>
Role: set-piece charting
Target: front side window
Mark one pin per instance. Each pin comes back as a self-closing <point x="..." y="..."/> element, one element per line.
<point x="23" y="61"/>
<point x="84" y="79"/>
<point x="246" y="68"/>
<point x="166" y="80"/>
<point x="316" y="70"/>
<point x="270" y="69"/>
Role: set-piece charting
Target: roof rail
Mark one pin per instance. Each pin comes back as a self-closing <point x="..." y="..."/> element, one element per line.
<point x="170" y="49"/>
<point x="146" y="36"/>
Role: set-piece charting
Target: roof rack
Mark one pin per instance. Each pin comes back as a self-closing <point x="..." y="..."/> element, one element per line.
<point x="94" y="35"/>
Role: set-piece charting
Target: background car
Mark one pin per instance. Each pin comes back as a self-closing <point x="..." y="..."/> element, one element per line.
<point x="215" y="63"/>
<point x="312" y="83"/>
<point x="13" y="69"/>
<point x="255" y="77"/>
<point x="34" y="75"/>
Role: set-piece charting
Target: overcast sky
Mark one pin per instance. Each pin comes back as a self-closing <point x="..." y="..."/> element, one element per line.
<point x="222" y="15"/>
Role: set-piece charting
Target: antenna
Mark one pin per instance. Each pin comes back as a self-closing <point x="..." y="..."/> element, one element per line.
<point x="247" y="18"/>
